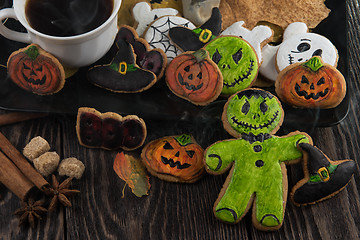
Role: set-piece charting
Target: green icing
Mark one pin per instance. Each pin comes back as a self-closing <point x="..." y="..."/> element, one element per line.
<point x="237" y="61"/>
<point x="316" y="178"/>
<point x="314" y="63"/>
<point x="247" y="115"/>
<point x="184" y="139"/>
<point x="32" y="52"/>
<point x="250" y="177"/>
<point x="130" y="67"/>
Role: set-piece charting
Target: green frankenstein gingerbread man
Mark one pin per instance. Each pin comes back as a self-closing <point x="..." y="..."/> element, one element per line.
<point x="258" y="173"/>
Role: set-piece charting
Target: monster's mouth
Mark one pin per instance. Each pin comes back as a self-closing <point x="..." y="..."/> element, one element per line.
<point x="291" y="59"/>
<point x="187" y="85"/>
<point x="303" y="93"/>
<point x="172" y="164"/>
<point x="255" y="127"/>
<point x="243" y="77"/>
<point x="35" y="81"/>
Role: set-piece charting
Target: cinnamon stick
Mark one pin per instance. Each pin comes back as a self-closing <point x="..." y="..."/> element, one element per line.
<point x="24" y="166"/>
<point x="14" y="117"/>
<point x="13" y="179"/>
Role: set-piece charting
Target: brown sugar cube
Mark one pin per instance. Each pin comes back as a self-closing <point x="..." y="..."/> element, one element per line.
<point x="71" y="167"/>
<point x="36" y="147"/>
<point x="47" y="163"/>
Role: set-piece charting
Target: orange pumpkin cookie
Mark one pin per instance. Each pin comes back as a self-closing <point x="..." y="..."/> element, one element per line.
<point x="36" y="70"/>
<point x="194" y="77"/>
<point x="174" y="158"/>
<point x="311" y="84"/>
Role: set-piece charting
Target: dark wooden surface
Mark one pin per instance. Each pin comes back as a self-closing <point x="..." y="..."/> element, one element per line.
<point x="184" y="211"/>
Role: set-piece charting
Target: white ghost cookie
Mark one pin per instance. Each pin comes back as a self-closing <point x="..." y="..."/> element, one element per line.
<point x="257" y="37"/>
<point x="144" y="15"/>
<point x="157" y="34"/>
<point x="298" y="45"/>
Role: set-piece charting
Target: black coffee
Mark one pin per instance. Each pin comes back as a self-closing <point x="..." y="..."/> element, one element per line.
<point x="65" y="18"/>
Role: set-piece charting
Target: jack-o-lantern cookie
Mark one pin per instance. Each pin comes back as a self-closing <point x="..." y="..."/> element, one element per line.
<point x="237" y="61"/>
<point x="174" y="158"/>
<point x="313" y="84"/>
<point x="194" y="77"/>
<point x="257" y="160"/>
<point x="323" y="178"/>
<point x="122" y="74"/>
<point x="109" y="130"/>
<point x="192" y="40"/>
<point x="36" y="70"/>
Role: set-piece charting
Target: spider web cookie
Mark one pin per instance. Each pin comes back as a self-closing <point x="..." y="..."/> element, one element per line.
<point x="157" y="34"/>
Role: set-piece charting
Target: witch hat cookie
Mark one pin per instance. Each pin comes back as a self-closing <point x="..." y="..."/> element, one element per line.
<point x="192" y="40"/>
<point x="323" y="178"/>
<point x="122" y="74"/>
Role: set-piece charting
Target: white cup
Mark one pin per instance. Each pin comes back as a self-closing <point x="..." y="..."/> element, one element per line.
<point x="74" y="51"/>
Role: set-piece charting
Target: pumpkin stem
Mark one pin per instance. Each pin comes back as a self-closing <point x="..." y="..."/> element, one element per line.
<point x="184" y="139"/>
<point x="201" y="55"/>
<point x="32" y="52"/>
<point x="315" y="63"/>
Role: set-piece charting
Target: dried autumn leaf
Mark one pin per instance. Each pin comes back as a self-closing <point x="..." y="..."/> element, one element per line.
<point x="278" y="12"/>
<point x="132" y="171"/>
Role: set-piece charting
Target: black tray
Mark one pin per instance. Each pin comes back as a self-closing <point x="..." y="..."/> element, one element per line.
<point x="158" y="102"/>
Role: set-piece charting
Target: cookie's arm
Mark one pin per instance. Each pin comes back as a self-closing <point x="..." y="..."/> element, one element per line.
<point x="219" y="156"/>
<point x="288" y="146"/>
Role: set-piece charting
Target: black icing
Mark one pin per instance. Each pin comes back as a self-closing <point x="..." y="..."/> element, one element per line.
<point x="311" y="192"/>
<point x="172" y="163"/>
<point x="187" y="40"/>
<point x="306" y="95"/>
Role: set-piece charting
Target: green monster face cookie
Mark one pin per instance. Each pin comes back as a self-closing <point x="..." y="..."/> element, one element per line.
<point x="237" y="61"/>
<point x="253" y="111"/>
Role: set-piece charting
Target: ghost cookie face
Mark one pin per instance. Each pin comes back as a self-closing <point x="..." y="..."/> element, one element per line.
<point x="252" y="111"/>
<point x="299" y="46"/>
<point x="312" y="84"/>
<point x="236" y="60"/>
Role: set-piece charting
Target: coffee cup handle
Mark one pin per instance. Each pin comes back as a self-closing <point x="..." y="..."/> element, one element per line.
<point x="11" y="34"/>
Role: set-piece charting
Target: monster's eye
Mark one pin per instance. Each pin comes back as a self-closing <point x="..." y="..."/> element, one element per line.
<point x="216" y="57"/>
<point x="304" y="80"/>
<point x="237" y="56"/>
<point x="263" y="107"/>
<point x="245" y="108"/>
<point x="303" y="47"/>
<point x="321" y="81"/>
<point x="168" y="146"/>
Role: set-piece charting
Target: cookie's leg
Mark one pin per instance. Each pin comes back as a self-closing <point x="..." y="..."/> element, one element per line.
<point x="234" y="203"/>
<point x="269" y="206"/>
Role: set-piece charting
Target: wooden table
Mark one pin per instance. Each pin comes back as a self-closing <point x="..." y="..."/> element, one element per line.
<point x="184" y="211"/>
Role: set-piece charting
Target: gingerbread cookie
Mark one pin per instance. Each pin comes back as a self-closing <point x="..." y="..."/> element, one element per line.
<point x="237" y="61"/>
<point x="122" y="74"/>
<point x="257" y="37"/>
<point x="323" y="178"/>
<point x="194" y="77"/>
<point x="157" y="34"/>
<point x="153" y="60"/>
<point x="174" y="158"/>
<point x="192" y="40"/>
<point x="109" y="130"/>
<point x="313" y="84"/>
<point x="35" y="70"/>
<point x="298" y="45"/>
<point x="144" y="15"/>
<point x="257" y="160"/>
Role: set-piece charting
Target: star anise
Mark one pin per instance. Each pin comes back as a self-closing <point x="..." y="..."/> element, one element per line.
<point x="60" y="193"/>
<point x="29" y="211"/>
